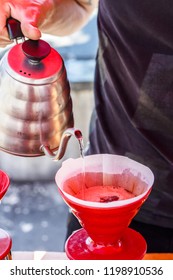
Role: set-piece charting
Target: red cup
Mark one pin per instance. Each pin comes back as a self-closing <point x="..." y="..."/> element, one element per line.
<point x="5" y="245"/>
<point x="4" y="183"/>
<point x="5" y="239"/>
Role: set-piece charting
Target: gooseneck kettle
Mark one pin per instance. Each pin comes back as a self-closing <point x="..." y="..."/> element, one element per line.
<point x="36" y="115"/>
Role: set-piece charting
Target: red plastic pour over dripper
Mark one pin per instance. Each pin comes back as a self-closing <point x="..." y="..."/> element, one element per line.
<point x="105" y="233"/>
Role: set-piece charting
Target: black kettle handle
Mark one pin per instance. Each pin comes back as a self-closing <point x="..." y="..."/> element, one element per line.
<point x="14" y="29"/>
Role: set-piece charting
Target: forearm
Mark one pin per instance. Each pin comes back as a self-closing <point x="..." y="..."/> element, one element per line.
<point x="68" y="16"/>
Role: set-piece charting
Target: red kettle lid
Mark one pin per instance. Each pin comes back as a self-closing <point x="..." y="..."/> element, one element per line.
<point x="34" y="60"/>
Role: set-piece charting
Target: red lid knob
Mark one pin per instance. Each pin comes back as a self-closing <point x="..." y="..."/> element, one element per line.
<point x="36" y="50"/>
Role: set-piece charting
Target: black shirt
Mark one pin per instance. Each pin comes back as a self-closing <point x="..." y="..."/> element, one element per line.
<point x="134" y="94"/>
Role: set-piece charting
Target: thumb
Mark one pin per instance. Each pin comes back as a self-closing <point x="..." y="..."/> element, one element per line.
<point x="30" y="31"/>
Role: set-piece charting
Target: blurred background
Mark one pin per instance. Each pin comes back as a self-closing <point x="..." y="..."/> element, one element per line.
<point x="32" y="211"/>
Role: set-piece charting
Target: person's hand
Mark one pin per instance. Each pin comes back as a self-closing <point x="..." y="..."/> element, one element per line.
<point x="31" y="14"/>
<point x="56" y="17"/>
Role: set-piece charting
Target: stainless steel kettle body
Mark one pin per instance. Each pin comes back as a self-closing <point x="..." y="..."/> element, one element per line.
<point x="35" y="101"/>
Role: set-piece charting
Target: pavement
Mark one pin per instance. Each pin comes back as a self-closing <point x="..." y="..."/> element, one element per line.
<point x="32" y="211"/>
<point x="35" y="216"/>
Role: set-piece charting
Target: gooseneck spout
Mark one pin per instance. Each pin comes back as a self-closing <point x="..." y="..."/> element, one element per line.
<point x="63" y="144"/>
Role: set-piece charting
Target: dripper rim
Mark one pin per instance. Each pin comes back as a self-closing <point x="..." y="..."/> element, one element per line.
<point x="112" y="204"/>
